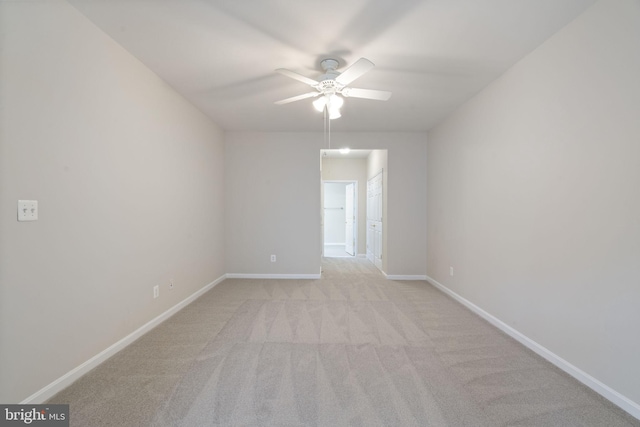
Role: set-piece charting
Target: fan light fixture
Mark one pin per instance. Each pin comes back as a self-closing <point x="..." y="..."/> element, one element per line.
<point x="331" y="102"/>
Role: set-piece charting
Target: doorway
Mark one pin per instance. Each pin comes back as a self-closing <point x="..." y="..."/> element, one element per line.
<point x="340" y="231"/>
<point x="357" y="166"/>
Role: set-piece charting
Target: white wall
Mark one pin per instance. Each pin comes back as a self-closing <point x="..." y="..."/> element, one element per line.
<point x="533" y="196"/>
<point x="353" y="169"/>
<point x="273" y="199"/>
<point x="129" y="179"/>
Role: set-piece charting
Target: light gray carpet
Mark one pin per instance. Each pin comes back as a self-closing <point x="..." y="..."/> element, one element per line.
<point x="350" y="349"/>
<point x="335" y="251"/>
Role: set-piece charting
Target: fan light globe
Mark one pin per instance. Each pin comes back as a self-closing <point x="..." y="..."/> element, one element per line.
<point x="319" y="103"/>
<point x="332" y="103"/>
<point x="335" y="101"/>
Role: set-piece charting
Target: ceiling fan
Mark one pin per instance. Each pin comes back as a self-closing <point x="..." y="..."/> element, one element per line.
<point x="333" y="83"/>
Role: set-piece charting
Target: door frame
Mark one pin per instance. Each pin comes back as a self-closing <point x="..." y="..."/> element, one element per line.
<point x="355" y="211"/>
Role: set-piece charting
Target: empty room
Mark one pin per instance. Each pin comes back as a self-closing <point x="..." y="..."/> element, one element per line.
<point x="365" y="212"/>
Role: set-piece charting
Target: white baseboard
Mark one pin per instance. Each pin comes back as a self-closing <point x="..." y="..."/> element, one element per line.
<point x="362" y="255"/>
<point x="67" y="379"/>
<point x="406" y="276"/>
<point x="604" y="390"/>
<point x="272" y="276"/>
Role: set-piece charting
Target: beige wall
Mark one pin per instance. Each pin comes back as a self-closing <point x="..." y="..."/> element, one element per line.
<point x="273" y="200"/>
<point x="352" y="170"/>
<point x="129" y="179"/>
<point x="272" y="203"/>
<point x="533" y="196"/>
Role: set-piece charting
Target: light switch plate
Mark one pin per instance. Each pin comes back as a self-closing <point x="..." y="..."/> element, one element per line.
<point x="27" y="210"/>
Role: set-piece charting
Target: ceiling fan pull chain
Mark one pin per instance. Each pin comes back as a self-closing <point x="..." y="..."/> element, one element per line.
<point x="328" y="126"/>
<point x="324" y="126"/>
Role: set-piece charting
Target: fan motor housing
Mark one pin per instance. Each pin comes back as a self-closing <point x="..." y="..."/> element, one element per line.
<point x="328" y="83"/>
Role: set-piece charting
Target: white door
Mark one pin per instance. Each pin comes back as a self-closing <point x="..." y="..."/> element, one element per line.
<point x="321" y="214"/>
<point x="374" y="220"/>
<point x="350" y="216"/>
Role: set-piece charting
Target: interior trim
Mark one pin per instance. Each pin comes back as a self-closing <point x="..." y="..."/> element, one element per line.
<point x="405" y="276"/>
<point x="67" y="379"/>
<point x="272" y="276"/>
<point x="602" y="389"/>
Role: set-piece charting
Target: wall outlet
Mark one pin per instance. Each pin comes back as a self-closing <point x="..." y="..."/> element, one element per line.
<point x="156" y="291"/>
<point x="170" y="284"/>
<point x="451" y="271"/>
<point x="273" y="258"/>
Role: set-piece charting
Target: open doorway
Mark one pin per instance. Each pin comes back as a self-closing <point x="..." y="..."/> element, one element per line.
<point x="340" y="206"/>
<point x="359" y="167"/>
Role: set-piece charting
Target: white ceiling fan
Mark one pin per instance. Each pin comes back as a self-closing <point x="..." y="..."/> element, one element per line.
<point x="333" y="83"/>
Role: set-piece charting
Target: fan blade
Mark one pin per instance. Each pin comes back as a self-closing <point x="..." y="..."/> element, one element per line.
<point x="297" y="98"/>
<point x="299" y="77"/>
<point x="380" y="95"/>
<point x="360" y="67"/>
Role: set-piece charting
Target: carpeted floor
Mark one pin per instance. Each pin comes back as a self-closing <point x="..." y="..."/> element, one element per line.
<point x="335" y="251"/>
<point x="350" y="349"/>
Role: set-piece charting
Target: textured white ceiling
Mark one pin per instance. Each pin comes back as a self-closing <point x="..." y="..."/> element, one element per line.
<point x="433" y="55"/>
